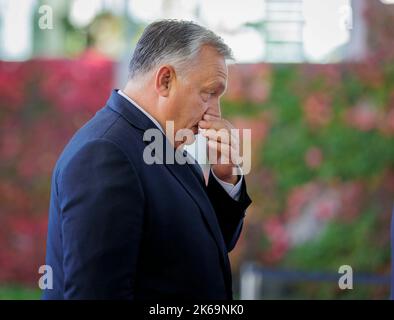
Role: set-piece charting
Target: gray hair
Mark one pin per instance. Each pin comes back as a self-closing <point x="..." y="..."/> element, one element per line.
<point x="175" y="42"/>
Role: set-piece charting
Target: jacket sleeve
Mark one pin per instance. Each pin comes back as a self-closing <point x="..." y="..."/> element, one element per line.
<point x="229" y="212"/>
<point x="101" y="202"/>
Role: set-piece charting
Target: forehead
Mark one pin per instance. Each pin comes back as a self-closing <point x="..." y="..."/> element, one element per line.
<point x="210" y="65"/>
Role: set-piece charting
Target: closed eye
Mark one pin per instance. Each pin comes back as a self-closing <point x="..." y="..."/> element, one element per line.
<point x="206" y="95"/>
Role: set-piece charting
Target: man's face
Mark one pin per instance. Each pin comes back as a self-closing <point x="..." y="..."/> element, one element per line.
<point x="198" y="91"/>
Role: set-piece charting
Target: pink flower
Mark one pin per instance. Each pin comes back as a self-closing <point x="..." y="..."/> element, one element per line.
<point x="250" y="82"/>
<point x="22" y="240"/>
<point x="369" y="72"/>
<point x="326" y="208"/>
<point x="10" y="140"/>
<point x="363" y="117"/>
<point x="80" y="85"/>
<point x="259" y="126"/>
<point x="387" y="123"/>
<point x="299" y="198"/>
<point x="276" y="252"/>
<point x="234" y="85"/>
<point x="258" y="91"/>
<point x="329" y="76"/>
<point x="276" y="233"/>
<point x="352" y="196"/>
<point x="313" y="157"/>
<point x="12" y="84"/>
<point x="317" y="110"/>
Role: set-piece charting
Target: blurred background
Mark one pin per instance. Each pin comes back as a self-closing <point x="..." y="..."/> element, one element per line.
<point x="314" y="80"/>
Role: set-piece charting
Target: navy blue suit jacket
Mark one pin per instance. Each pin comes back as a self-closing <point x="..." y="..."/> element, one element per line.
<point x="122" y="229"/>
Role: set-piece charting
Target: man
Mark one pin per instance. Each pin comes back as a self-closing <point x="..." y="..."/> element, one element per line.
<point x="121" y="228"/>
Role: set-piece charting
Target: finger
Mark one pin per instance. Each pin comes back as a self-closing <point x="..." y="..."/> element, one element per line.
<point x="222" y="135"/>
<point x="204" y="124"/>
<point x="212" y="124"/>
<point x="223" y="153"/>
<point x="218" y="153"/>
<point x="216" y="112"/>
<point x="210" y="116"/>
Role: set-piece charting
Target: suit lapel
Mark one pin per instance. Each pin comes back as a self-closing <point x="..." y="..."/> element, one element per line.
<point x="185" y="176"/>
<point x="195" y="187"/>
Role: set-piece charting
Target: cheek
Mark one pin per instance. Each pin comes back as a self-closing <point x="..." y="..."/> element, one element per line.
<point x="202" y="104"/>
<point x="196" y="106"/>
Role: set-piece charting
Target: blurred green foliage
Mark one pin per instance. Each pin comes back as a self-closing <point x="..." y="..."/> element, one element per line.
<point x="18" y="292"/>
<point x="330" y="131"/>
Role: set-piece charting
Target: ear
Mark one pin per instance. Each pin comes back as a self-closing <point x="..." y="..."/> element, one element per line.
<point x="164" y="78"/>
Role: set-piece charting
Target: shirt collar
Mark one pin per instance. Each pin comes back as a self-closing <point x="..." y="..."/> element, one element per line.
<point x="120" y="92"/>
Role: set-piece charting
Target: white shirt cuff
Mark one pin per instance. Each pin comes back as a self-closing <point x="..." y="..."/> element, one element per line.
<point x="234" y="191"/>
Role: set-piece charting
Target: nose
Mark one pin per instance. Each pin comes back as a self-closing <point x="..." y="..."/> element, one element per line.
<point x="214" y="107"/>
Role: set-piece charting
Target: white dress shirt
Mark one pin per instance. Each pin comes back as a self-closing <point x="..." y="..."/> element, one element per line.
<point x="233" y="190"/>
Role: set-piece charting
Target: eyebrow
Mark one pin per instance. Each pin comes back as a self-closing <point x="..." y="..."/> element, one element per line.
<point x="218" y="85"/>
